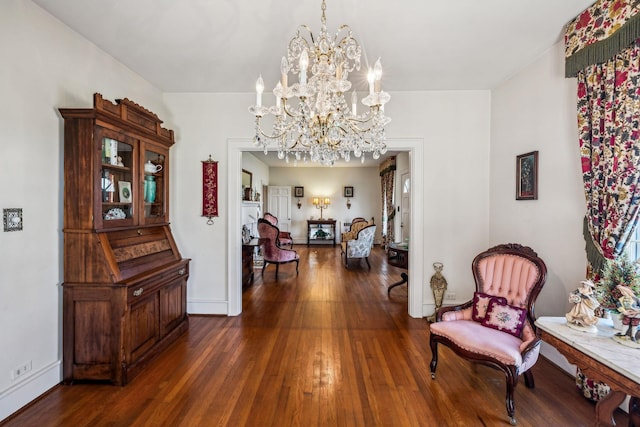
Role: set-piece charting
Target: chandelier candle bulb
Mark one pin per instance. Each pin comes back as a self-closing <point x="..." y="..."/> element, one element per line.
<point x="371" y="79"/>
<point x="304" y="64"/>
<point x="377" y="75"/>
<point x="259" y="90"/>
<point x="284" y="70"/>
<point x="354" y="103"/>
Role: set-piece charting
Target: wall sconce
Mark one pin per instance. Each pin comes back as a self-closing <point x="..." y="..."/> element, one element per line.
<point x="321" y="203"/>
<point x="348" y="203"/>
<point x="299" y="204"/>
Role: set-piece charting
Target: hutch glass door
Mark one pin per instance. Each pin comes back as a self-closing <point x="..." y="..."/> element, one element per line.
<point x="116" y="181"/>
<point x="154" y="185"/>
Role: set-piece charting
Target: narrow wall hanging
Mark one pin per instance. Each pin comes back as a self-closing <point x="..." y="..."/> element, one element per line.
<point x="209" y="189"/>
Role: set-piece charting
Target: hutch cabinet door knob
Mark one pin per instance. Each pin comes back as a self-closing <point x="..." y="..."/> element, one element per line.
<point x="182" y="271"/>
<point x="138" y="292"/>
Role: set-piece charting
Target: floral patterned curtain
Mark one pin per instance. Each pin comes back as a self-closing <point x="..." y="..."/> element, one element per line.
<point x="387" y="181"/>
<point x="609" y="126"/>
<point x="601" y="50"/>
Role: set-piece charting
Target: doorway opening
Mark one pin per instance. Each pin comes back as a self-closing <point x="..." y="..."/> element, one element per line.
<point x="235" y="148"/>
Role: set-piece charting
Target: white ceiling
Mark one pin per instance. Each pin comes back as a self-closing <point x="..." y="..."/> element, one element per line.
<point x="222" y="45"/>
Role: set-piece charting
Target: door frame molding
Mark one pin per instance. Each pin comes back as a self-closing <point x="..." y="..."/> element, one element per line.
<point x="235" y="148"/>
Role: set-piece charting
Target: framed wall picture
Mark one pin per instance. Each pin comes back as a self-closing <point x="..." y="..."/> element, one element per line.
<point x="348" y="191"/>
<point x="298" y="191"/>
<point x="125" y="191"/>
<point x="527" y="176"/>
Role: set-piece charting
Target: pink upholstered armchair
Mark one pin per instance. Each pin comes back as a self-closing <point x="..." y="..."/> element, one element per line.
<point x="497" y="327"/>
<point x="284" y="237"/>
<point x="272" y="253"/>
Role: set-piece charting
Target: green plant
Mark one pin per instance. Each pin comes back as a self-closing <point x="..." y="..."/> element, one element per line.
<point x="620" y="271"/>
<point x="321" y="234"/>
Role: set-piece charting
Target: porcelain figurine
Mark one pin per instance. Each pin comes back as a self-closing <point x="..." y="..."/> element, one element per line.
<point x="629" y="306"/>
<point x="581" y="317"/>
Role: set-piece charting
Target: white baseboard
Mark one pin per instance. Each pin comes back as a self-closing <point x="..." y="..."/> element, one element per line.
<point x="30" y="388"/>
<point x="208" y="307"/>
<point x="429" y="308"/>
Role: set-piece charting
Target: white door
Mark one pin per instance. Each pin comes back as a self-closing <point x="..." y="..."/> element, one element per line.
<point x="405" y="206"/>
<point x="280" y="206"/>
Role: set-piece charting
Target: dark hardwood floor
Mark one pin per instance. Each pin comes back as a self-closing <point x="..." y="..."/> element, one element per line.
<point x="325" y="348"/>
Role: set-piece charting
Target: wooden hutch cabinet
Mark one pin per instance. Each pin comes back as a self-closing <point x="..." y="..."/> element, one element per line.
<point x="125" y="281"/>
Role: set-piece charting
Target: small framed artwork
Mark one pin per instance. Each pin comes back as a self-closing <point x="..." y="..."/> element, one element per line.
<point x="348" y="191"/>
<point x="125" y="191"/>
<point x="527" y="176"/>
<point x="298" y="191"/>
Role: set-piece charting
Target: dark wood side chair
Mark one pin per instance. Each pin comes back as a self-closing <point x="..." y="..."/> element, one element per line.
<point x="284" y="237"/>
<point x="271" y="251"/>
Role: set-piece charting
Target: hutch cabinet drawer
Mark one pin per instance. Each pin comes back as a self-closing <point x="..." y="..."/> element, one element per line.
<point x="153" y="283"/>
<point x="134" y="235"/>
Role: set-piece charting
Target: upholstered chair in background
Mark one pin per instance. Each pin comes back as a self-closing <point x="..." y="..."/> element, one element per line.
<point x="284" y="237"/>
<point x="360" y="247"/>
<point x="272" y="253"/>
<point x="496" y="328"/>
<point x="357" y="224"/>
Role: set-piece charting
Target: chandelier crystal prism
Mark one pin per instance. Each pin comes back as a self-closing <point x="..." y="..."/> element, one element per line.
<point x="311" y="120"/>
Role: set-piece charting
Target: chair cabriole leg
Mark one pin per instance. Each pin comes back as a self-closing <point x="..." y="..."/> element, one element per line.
<point x="512" y="382"/>
<point x="528" y="379"/>
<point x="434" y="357"/>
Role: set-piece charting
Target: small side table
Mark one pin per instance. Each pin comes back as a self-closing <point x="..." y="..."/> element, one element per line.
<point x="602" y="359"/>
<point x="398" y="256"/>
<point x="247" y="261"/>
<point x="319" y="223"/>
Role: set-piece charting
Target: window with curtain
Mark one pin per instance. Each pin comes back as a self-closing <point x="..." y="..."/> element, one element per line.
<point x="387" y="182"/>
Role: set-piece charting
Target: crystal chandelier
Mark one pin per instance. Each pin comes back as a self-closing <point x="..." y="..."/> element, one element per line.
<point x="311" y="119"/>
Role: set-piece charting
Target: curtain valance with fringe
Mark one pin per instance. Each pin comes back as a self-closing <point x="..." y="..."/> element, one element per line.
<point x="600" y="32"/>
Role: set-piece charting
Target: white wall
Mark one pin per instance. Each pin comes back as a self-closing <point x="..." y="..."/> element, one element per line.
<point x="536" y="110"/>
<point x="318" y="181"/>
<point x="205" y="123"/>
<point x="45" y="66"/>
<point x="456" y="129"/>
